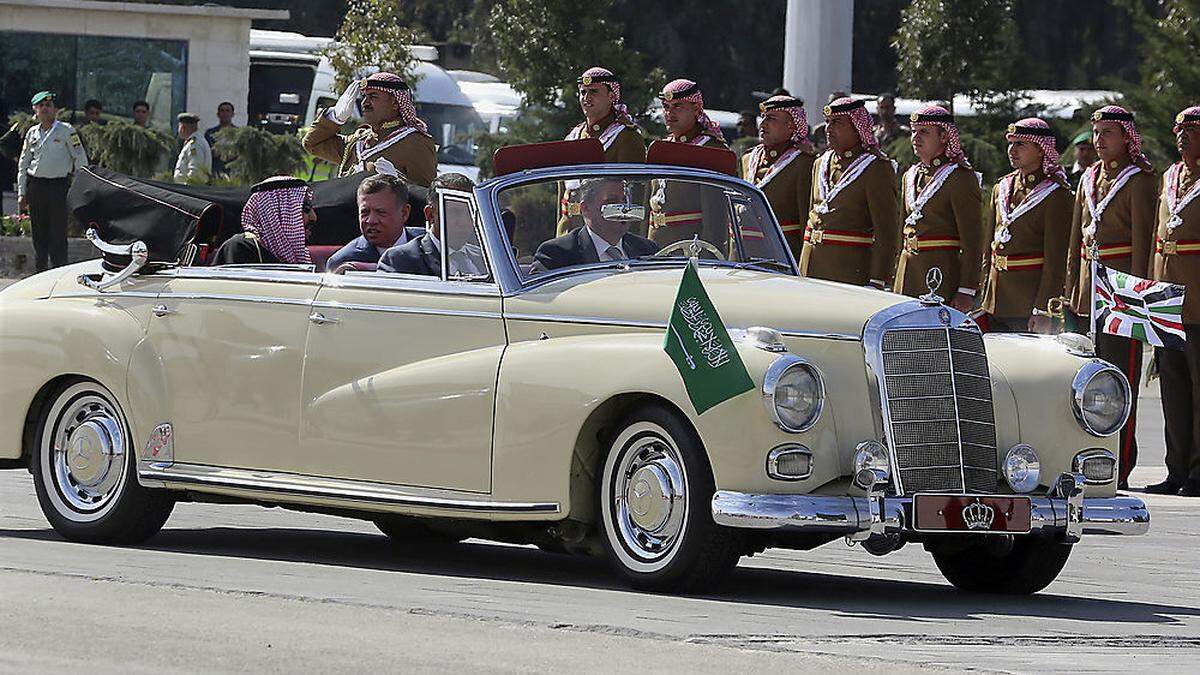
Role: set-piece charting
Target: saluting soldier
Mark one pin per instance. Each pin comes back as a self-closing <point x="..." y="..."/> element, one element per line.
<point x="194" y="164"/>
<point x="1113" y="223"/>
<point x="1177" y="260"/>
<point x="52" y="151"/>
<point x="942" y="211"/>
<point x="393" y="140"/>
<point x="782" y="165"/>
<point x="607" y="119"/>
<point x="681" y="210"/>
<point x="1032" y="206"/>
<point x="852" y="230"/>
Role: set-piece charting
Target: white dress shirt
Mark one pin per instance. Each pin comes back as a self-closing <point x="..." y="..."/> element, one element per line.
<point x="602" y="246"/>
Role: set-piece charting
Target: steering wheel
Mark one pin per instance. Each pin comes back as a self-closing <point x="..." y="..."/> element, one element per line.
<point x="690" y="247"/>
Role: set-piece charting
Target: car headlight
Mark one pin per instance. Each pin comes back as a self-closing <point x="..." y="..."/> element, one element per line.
<point x="793" y="393"/>
<point x="1022" y="468"/>
<point x="1100" y="398"/>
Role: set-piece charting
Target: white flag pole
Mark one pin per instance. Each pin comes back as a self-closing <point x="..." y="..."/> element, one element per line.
<point x="1092" y="253"/>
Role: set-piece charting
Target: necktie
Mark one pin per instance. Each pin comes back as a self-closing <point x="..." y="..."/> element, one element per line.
<point x="613" y="253"/>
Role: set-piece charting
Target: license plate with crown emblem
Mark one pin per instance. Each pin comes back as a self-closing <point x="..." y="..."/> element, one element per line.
<point x="972" y="513"/>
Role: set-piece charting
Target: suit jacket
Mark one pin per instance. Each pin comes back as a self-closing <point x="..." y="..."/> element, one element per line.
<point x="416" y="256"/>
<point x="576" y="248"/>
<point x="359" y="250"/>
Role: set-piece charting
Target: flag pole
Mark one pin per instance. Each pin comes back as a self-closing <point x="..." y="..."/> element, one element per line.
<point x="1093" y="252"/>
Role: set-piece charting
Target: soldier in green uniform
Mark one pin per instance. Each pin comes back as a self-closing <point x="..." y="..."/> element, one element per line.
<point x="52" y="151"/>
<point x="680" y="210"/>
<point x="1028" y="257"/>
<point x="393" y="140"/>
<point x="781" y="165"/>
<point x="852" y="230"/>
<point x="1113" y="224"/>
<point x="607" y="119"/>
<point x="1177" y="260"/>
<point x="194" y="164"/>
<point x="941" y="205"/>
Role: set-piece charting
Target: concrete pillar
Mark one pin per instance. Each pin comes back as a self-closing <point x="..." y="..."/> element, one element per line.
<point x="817" y="50"/>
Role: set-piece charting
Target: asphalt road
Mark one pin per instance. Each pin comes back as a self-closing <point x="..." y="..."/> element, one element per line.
<point x="240" y="588"/>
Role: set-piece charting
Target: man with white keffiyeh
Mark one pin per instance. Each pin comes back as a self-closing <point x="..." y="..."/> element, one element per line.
<point x="680" y="210"/>
<point x="852" y="230"/>
<point x="276" y="222"/>
<point x="781" y="165"/>
<point x="1028" y="256"/>
<point x="392" y="140"/>
<point x="940" y="203"/>
<point x="1113" y="224"/>
<point x="1177" y="260"/>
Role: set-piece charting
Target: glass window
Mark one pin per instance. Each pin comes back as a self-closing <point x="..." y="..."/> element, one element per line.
<point x="114" y="70"/>
<point x="462" y="255"/>
<point x="638" y="219"/>
<point x="453" y="128"/>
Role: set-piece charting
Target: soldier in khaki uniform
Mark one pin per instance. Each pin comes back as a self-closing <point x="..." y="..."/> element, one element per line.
<point x="781" y="166"/>
<point x="1177" y="260"/>
<point x="1113" y="223"/>
<point x="852" y="230"/>
<point x="393" y="140"/>
<point x="51" y="153"/>
<point x="1028" y="256"/>
<point x="941" y="207"/>
<point x="607" y="119"/>
<point x="195" y="161"/>
<point x="678" y="210"/>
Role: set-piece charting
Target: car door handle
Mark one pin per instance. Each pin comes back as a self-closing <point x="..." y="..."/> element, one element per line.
<point x="162" y="310"/>
<point x="320" y="319"/>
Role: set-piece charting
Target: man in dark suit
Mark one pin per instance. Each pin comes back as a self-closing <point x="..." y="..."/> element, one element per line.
<point x="423" y="255"/>
<point x="599" y="239"/>
<point x="382" y="211"/>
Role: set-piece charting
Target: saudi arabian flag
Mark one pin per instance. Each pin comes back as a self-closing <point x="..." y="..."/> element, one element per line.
<point x="701" y="348"/>
<point x="1138" y="308"/>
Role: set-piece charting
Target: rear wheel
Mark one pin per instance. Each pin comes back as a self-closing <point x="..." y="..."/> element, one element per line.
<point x="655" y="497"/>
<point x="1026" y="567"/>
<point x="83" y="470"/>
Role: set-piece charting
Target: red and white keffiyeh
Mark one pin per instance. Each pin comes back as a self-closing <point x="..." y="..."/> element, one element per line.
<point x="1133" y="140"/>
<point x="794" y="107"/>
<point x="392" y="85"/>
<point x="856" y="110"/>
<point x="687" y="90"/>
<point x="1036" y="131"/>
<point x="937" y="116"/>
<point x="598" y="74"/>
<point x="1188" y="117"/>
<point x="276" y="216"/>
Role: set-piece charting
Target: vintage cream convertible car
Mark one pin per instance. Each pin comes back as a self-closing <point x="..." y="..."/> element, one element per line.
<point x="534" y="403"/>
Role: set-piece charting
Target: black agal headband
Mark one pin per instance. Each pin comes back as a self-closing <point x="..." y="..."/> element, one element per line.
<point x="1030" y="131"/>
<point x="780" y="104"/>
<point x="833" y="109"/>
<point x="1100" y="115"/>
<point x="589" y="79"/>
<point x="945" y="118"/>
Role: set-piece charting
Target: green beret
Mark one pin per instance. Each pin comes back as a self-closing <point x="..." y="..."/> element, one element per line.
<point x="1084" y="136"/>
<point x="41" y="96"/>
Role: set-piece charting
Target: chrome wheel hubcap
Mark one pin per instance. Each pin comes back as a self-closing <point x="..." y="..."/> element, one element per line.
<point x="89" y="452"/>
<point x="650" y="498"/>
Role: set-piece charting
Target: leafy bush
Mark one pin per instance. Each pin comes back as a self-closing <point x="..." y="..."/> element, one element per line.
<point x="127" y="148"/>
<point x="251" y="154"/>
<point x="14" y="226"/>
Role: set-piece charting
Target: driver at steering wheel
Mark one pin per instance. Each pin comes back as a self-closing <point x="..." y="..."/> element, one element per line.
<point x="601" y="238"/>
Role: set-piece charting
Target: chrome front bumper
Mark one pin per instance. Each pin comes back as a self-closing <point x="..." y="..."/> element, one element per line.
<point x="862" y="517"/>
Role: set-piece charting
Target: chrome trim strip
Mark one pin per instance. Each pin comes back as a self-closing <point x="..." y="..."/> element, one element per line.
<point x="302" y="274"/>
<point x="845" y="337"/>
<point x="387" y="281"/>
<point x="347" y="490"/>
<point x="1122" y="515"/>
<point x="633" y="323"/>
<point x="264" y="299"/>
<point x="392" y="309"/>
<point x="106" y="296"/>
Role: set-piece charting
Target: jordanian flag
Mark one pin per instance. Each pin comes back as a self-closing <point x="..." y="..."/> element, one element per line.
<point x="1138" y="308"/>
<point x="701" y="348"/>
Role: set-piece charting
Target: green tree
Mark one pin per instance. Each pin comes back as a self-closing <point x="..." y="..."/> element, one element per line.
<point x="372" y="37"/>
<point x="1170" y="73"/>
<point x="251" y="154"/>
<point x="949" y="47"/>
<point x="128" y="148"/>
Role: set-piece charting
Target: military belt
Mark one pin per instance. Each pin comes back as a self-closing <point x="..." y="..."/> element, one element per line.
<point x="1107" y="251"/>
<point x="675" y="218"/>
<point x="1017" y="262"/>
<point x="1167" y="247"/>
<point x="914" y="243"/>
<point x="818" y="236"/>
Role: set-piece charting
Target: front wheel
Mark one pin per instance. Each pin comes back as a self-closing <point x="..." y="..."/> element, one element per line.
<point x="655" y="497"/>
<point x="1025" y="568"/>
<point x="83" y="470"/>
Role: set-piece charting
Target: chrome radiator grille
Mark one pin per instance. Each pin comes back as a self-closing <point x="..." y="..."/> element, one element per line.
<point x="939" y="400"/>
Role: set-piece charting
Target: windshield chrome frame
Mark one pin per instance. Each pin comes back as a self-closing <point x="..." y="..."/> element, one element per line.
<point x="505" y="269"/>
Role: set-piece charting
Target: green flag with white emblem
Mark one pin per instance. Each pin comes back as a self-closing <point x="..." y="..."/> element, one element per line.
<point x="701" y="348"/>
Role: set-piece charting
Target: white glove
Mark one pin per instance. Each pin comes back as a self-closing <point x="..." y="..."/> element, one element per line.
<point x="384" y="166"/>
<point x="347" y="105"/>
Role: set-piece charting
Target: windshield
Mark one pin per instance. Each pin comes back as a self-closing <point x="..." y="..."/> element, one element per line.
<point x="453" y="128"/>
<point x="619" y="221"/>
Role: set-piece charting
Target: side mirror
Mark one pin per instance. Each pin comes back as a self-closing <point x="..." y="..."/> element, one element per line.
<point x="138" y="255"/>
